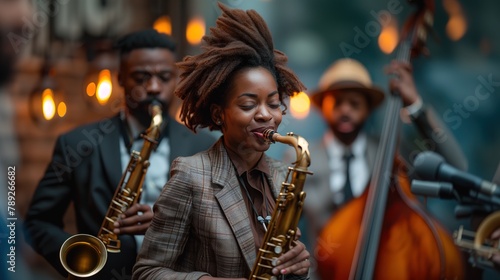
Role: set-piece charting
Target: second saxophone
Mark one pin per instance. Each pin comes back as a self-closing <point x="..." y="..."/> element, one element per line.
<point x="84" y="255"/>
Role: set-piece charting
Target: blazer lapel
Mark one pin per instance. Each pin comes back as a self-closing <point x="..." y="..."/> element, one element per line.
<point x="231" y="201"/>
<point x="109" y="151"/>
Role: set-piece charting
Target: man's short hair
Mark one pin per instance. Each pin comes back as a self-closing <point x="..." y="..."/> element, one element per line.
<point x="148" y="38"/>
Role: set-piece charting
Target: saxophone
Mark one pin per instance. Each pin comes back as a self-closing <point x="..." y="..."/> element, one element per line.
<point x="282" y="228"/>
<point x="478" y="244"/>
<point x="84" y="255"/>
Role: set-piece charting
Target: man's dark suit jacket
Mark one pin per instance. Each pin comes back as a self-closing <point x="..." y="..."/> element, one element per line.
<point x="86" y="169"/>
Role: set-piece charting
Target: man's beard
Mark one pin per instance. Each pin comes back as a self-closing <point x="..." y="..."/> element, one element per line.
<point x="142" y="110"/>
<point x="346" y="137"/>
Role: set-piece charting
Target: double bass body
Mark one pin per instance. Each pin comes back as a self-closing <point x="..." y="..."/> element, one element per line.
<point x="412" y="244"/>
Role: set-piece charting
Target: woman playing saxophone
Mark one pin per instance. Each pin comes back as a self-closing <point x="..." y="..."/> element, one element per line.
<point x="211" y="217"/>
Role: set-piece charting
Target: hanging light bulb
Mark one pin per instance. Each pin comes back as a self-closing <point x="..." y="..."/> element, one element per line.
<point x="91" y="88"/>
<point x="163" y="24"/>
<point x="300" y="105"/>
<point x="388" y="38"/>
<point x="104" y="87"/>
<point x="195" y="30"/>
<point x="61" y="109"/>
<point x="46" y="102"/>
<point x="103" y="63"/>
<point x="457" y="24"/>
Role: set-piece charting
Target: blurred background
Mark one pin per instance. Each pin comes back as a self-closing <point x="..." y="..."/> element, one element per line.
<point x="65" y="74"/>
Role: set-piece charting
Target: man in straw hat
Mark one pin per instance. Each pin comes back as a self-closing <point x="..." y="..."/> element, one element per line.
<point x="346" y="98"/>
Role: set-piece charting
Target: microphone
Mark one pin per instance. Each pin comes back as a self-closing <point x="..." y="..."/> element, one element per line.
<point x="445" y="190"/>
<point x="431" y="166"/>
<point x="432" y="189"/>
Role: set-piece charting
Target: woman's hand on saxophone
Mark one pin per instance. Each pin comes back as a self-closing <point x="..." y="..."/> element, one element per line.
<point x="295" y="261"/>
<point x="135" y="220"/>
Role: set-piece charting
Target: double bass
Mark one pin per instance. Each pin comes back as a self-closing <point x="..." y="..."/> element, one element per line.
<point x="386" y="233"/>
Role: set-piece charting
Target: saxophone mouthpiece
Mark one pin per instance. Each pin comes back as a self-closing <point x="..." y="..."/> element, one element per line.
<point x="155" y="112"/>
<point x="155" y="108"/>
<point x="268" y="135"/>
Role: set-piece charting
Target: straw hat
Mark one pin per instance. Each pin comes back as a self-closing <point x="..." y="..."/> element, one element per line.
<point x="347" y="74"/>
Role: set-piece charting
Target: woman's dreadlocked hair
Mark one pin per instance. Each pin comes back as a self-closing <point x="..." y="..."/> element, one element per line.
<point x="240" y="39"/>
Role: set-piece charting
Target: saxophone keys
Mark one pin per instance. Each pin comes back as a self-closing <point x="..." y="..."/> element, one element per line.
<point x="278" y="249"/>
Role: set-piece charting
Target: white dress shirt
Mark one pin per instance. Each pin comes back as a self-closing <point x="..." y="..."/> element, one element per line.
<point x="359" y="171"/>
<point x="157" y="173"/>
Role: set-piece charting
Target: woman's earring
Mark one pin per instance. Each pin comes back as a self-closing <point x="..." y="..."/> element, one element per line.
<point x="219" y="122"/>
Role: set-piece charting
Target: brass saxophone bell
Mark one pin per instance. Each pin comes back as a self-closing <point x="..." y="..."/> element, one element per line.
<point x="83" y="255"/>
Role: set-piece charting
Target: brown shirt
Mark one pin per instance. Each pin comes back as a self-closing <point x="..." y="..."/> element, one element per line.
<point x="257" y="194"/>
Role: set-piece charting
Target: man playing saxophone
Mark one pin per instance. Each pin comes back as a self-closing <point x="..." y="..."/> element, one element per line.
<point x="88" y="162"/>
<point x="211" y="218"/>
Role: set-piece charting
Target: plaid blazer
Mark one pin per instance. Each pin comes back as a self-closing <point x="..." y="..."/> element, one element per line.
<point x="201" y="225"/>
